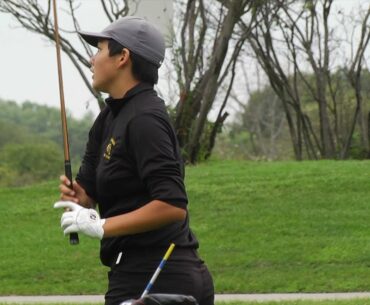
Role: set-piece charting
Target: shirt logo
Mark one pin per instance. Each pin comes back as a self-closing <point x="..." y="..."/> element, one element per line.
<point x="108" y="149"/>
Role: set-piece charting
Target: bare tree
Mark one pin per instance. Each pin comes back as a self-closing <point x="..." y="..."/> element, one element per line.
<point x="354" y="76"/>
<point x="300" y="34"/>
<point x="263" y="118"/>
<point x="36" y="18"/>
<point x="203" y="59"/>
<point x="203" y="63"/>
<point x="266" y="50"/>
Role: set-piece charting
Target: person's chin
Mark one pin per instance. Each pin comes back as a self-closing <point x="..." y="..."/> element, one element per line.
<point x="97" y="87"/>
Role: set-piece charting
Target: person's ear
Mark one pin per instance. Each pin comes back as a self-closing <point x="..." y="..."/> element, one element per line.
<point x="124" y="57"/>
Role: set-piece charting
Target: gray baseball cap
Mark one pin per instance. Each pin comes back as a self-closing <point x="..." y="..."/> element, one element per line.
<point x="135" y="34"/>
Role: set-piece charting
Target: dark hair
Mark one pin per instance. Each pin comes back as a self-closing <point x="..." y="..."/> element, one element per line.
<point x="142" y="69"/>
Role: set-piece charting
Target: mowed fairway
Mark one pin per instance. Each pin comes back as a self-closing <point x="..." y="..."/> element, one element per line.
<point x="263" y="227"/>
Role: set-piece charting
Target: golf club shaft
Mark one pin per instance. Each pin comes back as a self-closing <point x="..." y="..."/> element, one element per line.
<point x="159" y="269"/>
<point x="73" y="237"/>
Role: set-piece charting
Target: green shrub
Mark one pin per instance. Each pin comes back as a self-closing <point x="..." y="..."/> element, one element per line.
<point x="28" y="163"/>
<point x="7" y="175"/>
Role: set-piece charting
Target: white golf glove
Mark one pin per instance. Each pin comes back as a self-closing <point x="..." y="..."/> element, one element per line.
<point x="80" y="220"/>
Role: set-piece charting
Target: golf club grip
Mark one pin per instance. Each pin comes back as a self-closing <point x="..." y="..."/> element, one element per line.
<point x="73" y="237"/>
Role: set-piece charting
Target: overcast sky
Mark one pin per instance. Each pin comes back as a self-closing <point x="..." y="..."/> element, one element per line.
<point x="28" y="62"/>
<point x="29" y="71"/>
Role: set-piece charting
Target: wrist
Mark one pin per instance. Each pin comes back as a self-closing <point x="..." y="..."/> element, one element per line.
<point x="102" y="223"/>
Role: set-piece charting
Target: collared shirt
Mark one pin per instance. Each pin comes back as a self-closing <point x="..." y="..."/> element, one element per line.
<point x="132" y="157"/>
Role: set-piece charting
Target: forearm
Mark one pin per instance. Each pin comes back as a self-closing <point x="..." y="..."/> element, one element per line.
<point x="152" y="216"/>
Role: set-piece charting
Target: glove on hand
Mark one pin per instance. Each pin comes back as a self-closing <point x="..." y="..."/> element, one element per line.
<point x="78" y="219"/>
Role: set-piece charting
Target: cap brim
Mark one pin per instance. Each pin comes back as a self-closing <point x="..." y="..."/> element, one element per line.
<point x="93" y="38"/>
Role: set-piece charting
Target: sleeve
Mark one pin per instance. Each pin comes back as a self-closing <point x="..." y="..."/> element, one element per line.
<point x="152" y="144"/>
<point x="86" y="175"/>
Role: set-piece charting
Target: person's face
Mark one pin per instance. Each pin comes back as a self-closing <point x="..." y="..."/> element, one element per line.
<point x="105" y="68"/>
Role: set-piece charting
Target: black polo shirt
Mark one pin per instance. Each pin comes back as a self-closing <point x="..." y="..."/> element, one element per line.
<point x="132" y="157"/>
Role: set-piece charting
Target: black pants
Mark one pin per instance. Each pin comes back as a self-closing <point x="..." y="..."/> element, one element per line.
<point x="184" y="273"/>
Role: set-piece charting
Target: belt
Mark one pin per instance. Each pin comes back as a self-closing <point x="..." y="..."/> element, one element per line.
<point x="152" y="253"/>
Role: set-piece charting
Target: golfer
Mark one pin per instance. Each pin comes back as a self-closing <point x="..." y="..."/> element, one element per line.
<point x="133" y="170"/>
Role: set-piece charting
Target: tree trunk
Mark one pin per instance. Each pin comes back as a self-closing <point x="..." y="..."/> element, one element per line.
<point x="211" y="87"/>
<point x="325" y="129"/>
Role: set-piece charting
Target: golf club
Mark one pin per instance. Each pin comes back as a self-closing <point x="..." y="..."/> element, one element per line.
<point x="73" y="237"/>
<point x="155" y="275"/>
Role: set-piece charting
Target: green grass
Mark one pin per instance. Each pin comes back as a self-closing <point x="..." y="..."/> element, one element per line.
<point x="284" y="226"/>
<point x="331" y="302"/>
<point x="263" y="227"/>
